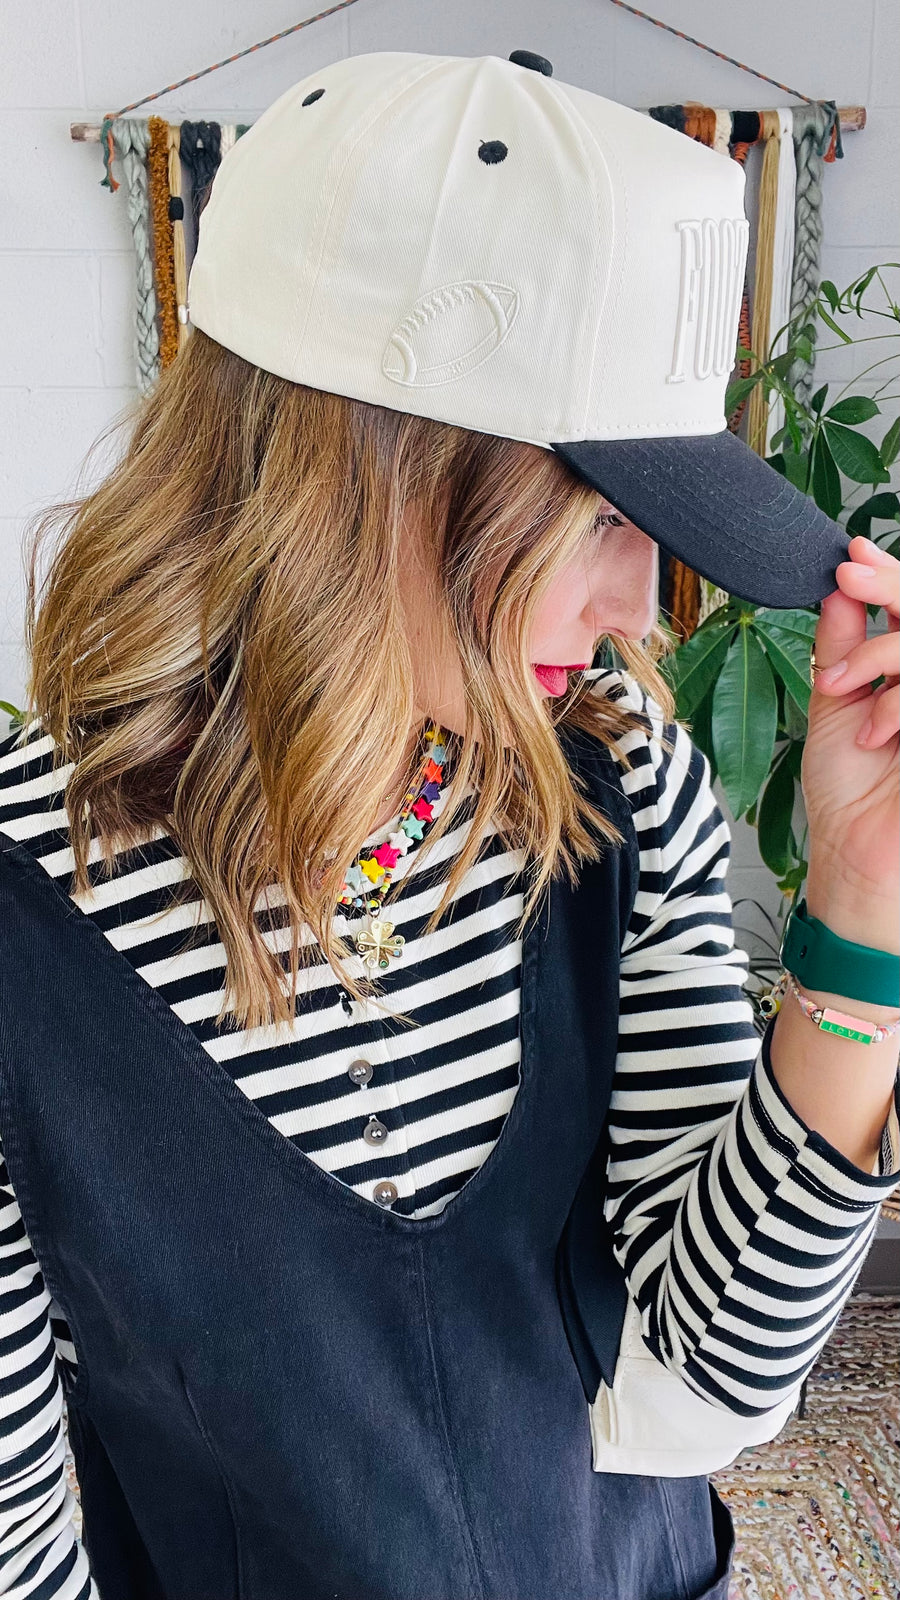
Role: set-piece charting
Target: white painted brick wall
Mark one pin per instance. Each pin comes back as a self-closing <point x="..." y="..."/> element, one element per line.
<point x="66" y="367"/>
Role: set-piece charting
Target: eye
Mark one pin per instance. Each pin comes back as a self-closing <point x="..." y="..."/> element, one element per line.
<point x="608" y="519"/>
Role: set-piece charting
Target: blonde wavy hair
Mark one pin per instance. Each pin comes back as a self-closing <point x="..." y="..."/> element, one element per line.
<point x="219" y="650"/>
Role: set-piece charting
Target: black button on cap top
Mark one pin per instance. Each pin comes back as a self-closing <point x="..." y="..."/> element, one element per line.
<point x="527" y="58"/>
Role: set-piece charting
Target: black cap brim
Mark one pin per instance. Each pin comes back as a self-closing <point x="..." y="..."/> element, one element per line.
<point x="718" y="506"/>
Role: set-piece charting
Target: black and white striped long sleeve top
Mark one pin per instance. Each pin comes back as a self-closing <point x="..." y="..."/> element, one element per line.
<point x="740" y="1231"/>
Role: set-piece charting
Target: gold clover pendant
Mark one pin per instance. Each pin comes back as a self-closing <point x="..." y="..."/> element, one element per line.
<point x="378" y="942"/>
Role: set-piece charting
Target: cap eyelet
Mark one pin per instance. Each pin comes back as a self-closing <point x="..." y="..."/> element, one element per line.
<point x="315" y="94"/>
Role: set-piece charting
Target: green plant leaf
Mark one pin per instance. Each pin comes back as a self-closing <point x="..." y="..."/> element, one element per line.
<point x="794" y="429"/>
<point x="886" y="505"/>
<point x="792" y="882"/>
<point x="693" y="666"/>
<point x="890" y="444"/>
<point x="855" y="408"/>
<point x="701" y="733"/>
<point x="828" y="289"/>
<point x="856" y="456"/>
<point x="793" y="465"/>
<point x="826" y="483"/>
<point x="744" y="715"/>
<point x="737" y="392"/>
<point x="782" y="364"/>
<point x="787" y="638"/>
<point x="776" y="809"/>
<point x="794" y="722"/>
<point x="859" y="287"/>
<point x="830" y="323"/>
<point x="818" y="399"/>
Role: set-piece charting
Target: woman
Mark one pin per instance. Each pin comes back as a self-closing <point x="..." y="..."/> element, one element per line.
<point x="337" y="1274"/>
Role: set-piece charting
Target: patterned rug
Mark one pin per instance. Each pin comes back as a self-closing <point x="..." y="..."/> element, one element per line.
<point x="817" y="1511"/>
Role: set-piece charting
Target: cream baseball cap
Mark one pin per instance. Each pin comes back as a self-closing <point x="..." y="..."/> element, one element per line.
<point x="470" y="239"/>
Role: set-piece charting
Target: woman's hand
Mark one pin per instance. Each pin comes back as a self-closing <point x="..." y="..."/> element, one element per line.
<point x="851" y="768"/>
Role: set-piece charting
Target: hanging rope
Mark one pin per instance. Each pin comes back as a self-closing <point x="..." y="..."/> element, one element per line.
<point x="179" y="249"/>
<point x="722" y="140"/>
<point x="200" y="156"/>
<point x="783" y="255"/>
<point x="745" y="136"/>
<point x="132" y="139"/>
<point x="761" y="330"/>
<point x="163" y="248"/>
<point x="700" y="123"/>
<point x="671" y="116"/>
<point x="812" y="131"/>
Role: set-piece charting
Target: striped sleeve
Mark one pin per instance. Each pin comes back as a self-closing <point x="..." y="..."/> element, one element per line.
<point x="740" y="1231"/>
<point x="40" y="1555"/>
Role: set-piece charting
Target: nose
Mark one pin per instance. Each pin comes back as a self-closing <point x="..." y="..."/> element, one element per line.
<point x="625" y="593"/>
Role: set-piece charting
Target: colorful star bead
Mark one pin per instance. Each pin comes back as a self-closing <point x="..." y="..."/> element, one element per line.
<point x="399" y="841"/>
<point x="372" y="869"/>
<point x="354" y="880"/>
<point x="386" y="854"/>
<point x="413" y="827"/>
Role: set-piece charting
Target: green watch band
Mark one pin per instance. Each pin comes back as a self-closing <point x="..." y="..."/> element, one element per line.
<point x="819" y="959"/>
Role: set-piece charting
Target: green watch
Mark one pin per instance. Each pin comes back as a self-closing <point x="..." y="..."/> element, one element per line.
<point x="819" y="959"/>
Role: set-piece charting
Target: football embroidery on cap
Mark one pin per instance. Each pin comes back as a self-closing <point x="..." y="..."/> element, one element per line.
<point x="448" y="332"/>
<point x="713" y="257"/>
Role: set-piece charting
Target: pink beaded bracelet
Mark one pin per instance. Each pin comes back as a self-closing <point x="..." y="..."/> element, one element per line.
<point x="824" y="1017"/>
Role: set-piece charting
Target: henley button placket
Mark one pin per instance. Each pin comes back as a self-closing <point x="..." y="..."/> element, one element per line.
<point x="360" y="1072"/>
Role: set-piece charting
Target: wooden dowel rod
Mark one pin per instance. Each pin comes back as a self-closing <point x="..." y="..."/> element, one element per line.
<point x="853" y="119"/>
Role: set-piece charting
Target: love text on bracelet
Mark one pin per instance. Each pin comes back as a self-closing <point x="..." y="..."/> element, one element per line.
<point x="827" y="1018"/>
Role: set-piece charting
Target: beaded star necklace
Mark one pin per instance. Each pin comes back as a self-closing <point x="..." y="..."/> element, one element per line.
<point x="369" y="879"/>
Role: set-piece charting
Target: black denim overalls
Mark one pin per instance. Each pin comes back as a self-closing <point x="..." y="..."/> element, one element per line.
<point x="285" y="1392"/>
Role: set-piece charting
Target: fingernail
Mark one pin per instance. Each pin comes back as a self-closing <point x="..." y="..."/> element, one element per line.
<point x="864" y="732"/>
<point x="831" y="674"/>
<point x="863" y="571"/>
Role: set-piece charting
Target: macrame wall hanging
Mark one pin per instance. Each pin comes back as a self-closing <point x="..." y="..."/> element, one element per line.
<point x="160" y="162"/>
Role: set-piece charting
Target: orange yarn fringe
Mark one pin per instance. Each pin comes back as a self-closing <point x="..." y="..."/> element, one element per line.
<point x="163" y="246"/>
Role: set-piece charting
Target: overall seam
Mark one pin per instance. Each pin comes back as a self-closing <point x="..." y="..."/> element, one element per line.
<point x="673" y="1537"/>
<point x="453" y="1474"/>
<point x="232" y="1511"/>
